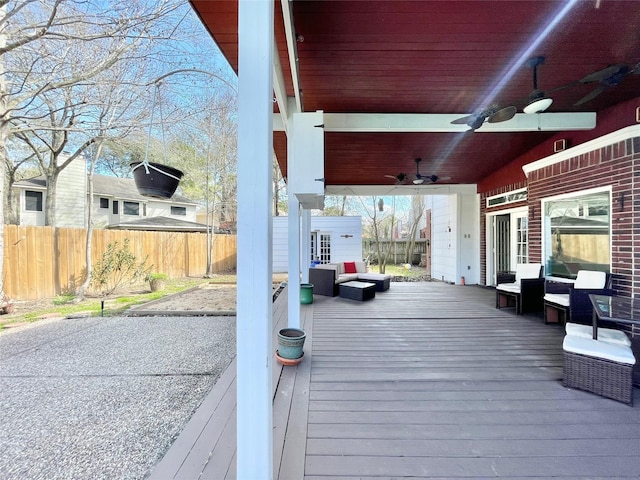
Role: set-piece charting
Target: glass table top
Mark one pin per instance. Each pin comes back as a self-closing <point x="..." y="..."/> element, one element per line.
<point x="617" y="308"/>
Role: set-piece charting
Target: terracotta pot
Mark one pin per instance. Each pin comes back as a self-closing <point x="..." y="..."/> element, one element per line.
<point x="161" y="181"/>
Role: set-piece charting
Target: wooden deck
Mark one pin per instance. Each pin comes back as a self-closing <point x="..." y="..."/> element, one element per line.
<point x="427" y="380"/>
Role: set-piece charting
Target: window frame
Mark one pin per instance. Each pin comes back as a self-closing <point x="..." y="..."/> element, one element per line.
<point x="101" y="201"/>
<point x="127" y="206"/>
<point x="577" y="194"/>
<point x="182" y="209"/>
<point x="29" y="199"/>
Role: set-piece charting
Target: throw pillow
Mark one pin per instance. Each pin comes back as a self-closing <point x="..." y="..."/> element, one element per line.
<point x="350" y="267"/>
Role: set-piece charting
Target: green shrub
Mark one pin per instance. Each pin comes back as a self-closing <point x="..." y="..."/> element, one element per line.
<point x="117" y="268"/>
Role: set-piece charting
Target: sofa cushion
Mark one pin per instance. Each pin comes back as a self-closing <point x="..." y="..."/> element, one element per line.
<point x="350" y="267"/>
<point x="361" y="267"/>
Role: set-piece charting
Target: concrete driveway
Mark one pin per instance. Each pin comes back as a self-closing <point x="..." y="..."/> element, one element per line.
<point x="103" y="398"/>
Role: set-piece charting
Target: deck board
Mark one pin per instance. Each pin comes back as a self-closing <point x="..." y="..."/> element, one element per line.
<point x="432" y="381"/>
<point x="427" y="380"/>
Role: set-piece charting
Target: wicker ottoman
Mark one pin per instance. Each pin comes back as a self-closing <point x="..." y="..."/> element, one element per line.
<point x="358" y="290"/>
<point x="598" y="367"/>
<point x="381" y="280"/>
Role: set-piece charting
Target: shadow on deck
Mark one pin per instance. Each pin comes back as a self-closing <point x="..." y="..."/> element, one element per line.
<point x="428" y="380"/>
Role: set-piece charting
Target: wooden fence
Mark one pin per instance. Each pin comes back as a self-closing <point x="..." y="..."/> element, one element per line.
<point x="42" y="262"/>
<point x="396" y="250"/>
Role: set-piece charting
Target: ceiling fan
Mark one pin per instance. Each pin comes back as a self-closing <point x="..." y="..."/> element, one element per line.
<point x="536" y="102"/>
<point x="419" y="179"/>
<point x="606" y="78"/>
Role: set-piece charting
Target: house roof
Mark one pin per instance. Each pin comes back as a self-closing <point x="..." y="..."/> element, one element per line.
<point x="161" y="224"/>
<point x="394" y="59"/>
<point x="108" y="186"/>
<point x="126" y="188"/>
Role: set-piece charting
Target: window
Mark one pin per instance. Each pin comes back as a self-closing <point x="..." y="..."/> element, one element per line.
<point x="179" y="211"/>
<point x="510" y="197"/>
<point x="577" y="233"/>
<point x="104" y="202"/>
<point x="115" y="207"/>
<point x="131" y="208"/>
<point x="33" y="201"/>
<point x="522" y="240"/>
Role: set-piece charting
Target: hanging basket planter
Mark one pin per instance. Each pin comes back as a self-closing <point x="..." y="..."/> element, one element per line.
<point x="155" y="180"/>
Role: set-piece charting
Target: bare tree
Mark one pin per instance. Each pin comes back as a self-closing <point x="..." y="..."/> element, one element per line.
<point x="417" y="210"/>
<point x="61" y="53"/>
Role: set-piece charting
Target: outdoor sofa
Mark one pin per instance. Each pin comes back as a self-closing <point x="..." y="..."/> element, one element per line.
<point x="327" y="277"/>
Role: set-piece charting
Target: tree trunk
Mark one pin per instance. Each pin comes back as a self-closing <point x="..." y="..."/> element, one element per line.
<point x="82" y="290"/>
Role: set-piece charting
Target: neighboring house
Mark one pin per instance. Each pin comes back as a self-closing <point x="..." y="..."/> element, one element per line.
<point x="333" y="239"/>
<point x="116" y="201"/>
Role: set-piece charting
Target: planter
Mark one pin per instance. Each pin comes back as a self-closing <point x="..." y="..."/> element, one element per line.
<point x="6" y="309"/>
<point x="156" y="180"/>
<point x="156" y="284"/>
<point x="290" y="343"/>
<point x="306" y="293"/>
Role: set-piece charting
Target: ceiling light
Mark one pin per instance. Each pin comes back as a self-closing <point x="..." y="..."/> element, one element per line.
<point x="418" y="181"/>
<point x="538" y="105"/>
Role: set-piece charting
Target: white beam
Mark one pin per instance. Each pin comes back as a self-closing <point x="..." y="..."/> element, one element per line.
<point x="431" y="189"/>
<point x="293" y="263"/>
<point x="292" y="48"/>
<point x="254" y="418"/>
<point x="305" y="242"/>
<point x="441" y="122"/>
<point x="280" y="90"/>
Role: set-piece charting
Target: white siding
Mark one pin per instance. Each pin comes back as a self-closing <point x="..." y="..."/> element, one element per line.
<point x="343" y="248"/>
<point x="455" y="242"/>
<point x="443" y="238"/>
<point x="30" y="217"/>
<point x="71" y="192"/>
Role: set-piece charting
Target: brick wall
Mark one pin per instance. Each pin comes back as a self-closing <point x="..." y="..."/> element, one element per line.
<point x="616" y="165"/>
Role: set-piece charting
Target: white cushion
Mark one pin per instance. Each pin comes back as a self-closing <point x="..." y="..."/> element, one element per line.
<point x="509" y="287"/>
<point x="373" y="276"/>
<point x="598" y="349"/>
<point x="361" y="267"/>
<point x="557" y="298"/>
<point x="590" y="279"/>
<point x="608" y="335"/>
<point x="527" y="270"/>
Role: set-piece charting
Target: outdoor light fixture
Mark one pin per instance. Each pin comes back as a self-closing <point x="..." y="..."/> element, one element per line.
<point x="538" y="105"/>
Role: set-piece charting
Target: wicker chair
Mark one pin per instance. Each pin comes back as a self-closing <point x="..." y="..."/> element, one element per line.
<point x="564" y="302"/>
<point x="526" y="292"/>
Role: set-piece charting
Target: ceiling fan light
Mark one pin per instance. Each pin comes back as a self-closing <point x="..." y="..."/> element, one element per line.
<point x="538" y="105"/>
<point x="418" y="181"/>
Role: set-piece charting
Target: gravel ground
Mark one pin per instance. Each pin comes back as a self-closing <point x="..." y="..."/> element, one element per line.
<point x="103" y="398"/>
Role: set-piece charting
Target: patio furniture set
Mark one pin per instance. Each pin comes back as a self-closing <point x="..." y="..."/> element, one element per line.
<point x="348" y="280"/>
<point x="596" y="359"/>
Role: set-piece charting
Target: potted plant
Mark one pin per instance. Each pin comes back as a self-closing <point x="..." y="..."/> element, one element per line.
<point x="156" y="281"/>
<point x="155" y="179"/>
<point x="6" y="305"/>
<point x="290" y="343"/>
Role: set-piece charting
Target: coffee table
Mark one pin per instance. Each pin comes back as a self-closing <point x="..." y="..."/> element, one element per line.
<point x="621" y="310"/>
<point x="358" y="290"/>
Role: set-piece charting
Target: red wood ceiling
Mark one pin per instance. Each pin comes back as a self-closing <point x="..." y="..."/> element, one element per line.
<point x="440" y="57"/>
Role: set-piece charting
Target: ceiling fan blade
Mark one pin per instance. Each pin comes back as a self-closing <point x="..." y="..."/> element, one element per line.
<point x="464" y="120"/>
<point x="603" y="74"/>
<point x="502" y="115"/>
<point x="590" y="96"/>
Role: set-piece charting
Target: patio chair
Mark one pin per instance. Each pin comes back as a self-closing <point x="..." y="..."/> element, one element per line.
<point x="526" y="292"/>
<point x="564" y="302"/>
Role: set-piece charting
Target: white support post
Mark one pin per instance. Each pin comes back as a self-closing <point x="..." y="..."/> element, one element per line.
<point x="254" y="417"/>
<point x="294" y="260"/>
<point x="305" y="242"/>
